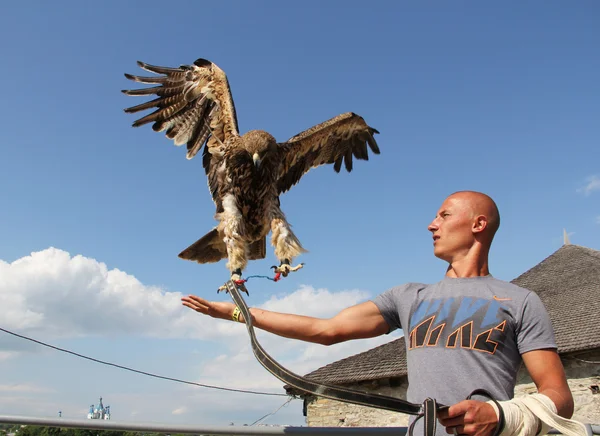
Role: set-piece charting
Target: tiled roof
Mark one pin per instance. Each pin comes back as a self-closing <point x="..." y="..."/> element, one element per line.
<point x="387" y="360"/>
<point x="567" y="282"/>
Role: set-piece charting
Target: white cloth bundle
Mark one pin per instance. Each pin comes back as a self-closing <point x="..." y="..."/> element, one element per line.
<point x="524" y="415"/>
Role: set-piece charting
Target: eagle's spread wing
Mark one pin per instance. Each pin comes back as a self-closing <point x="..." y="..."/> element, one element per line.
<point x="335" y="141"/>
<point x="195" y="107"/>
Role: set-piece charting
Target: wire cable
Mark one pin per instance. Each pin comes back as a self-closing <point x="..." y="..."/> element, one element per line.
<point x="272" y="413"/>
<point x="585" y="361"/>
<point x="142" y="372"/>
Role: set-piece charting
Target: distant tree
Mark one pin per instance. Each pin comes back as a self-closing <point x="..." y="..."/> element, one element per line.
<point x="30" y="430"/>
<point x="113" y="433"/>
<point x="49" y="431"/>
<point x="133" y="433"/>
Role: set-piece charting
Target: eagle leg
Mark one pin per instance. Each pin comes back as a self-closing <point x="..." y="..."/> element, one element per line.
<point x="286" y="243"/>
<point x="236" y="251"/>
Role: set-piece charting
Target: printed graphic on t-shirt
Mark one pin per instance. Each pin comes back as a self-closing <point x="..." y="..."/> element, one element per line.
<point x="470" y="323"/>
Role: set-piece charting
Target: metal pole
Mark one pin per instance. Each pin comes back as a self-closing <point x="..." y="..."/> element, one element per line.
<point x="216" y="430"/>
<point x="197" y="430"/>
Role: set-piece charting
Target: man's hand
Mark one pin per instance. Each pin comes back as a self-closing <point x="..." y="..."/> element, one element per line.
<point x="216" y="309"/>
<point x="469" y="417"/>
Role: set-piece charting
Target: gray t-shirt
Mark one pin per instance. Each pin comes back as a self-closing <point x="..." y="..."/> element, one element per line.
<point x="464" y="334"/>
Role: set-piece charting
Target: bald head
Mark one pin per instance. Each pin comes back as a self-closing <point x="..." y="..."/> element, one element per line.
<point x="464" y="226"/>
<point x="483" y="206"/>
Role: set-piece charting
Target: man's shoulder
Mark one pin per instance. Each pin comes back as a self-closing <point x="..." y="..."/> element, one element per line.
<point x="509" y="287"/>
<point x="407" y="287"/>
<point x="398" y="294"/>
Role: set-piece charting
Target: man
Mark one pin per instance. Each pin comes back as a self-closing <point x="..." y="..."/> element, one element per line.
<point x="466" y="332"/>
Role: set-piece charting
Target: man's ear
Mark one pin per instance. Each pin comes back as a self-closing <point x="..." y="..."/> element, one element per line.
<point x="479" y="224"/>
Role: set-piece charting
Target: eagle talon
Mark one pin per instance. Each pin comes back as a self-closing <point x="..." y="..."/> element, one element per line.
<point x="237" y="281"/>
<point x="284" y="268"/>
<point x="241" y="286"/>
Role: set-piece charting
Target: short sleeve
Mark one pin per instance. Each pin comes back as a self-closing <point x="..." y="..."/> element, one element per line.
<point x="535" y="330"/>
<point x="387" y="303"/>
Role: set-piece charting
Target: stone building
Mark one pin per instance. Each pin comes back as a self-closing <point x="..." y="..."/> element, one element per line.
<point x="568" y="283"/>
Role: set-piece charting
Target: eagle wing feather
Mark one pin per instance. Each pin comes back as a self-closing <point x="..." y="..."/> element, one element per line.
<point x="194" y="106"/>
<point x="335" y="141"/>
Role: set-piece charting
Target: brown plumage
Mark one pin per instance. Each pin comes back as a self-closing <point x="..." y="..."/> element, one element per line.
<point x="246" y="173"/>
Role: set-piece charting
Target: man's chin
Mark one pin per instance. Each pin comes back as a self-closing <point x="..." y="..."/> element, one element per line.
<point x="440" y="255"/>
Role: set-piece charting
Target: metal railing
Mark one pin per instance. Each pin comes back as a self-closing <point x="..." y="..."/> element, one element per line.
<point x="97" y="424"/>
<point x="218" y="430"/>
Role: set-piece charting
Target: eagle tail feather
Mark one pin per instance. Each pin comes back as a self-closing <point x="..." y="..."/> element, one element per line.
<point x="258" y="249"/>
<point x="209" y="248"/>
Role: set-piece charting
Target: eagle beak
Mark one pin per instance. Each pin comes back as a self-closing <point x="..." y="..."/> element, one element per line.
<point x="256" y="159"/>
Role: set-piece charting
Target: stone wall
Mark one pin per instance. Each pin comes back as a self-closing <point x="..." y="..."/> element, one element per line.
<point x="330" y="413"/>
<point x="583" y="372"/>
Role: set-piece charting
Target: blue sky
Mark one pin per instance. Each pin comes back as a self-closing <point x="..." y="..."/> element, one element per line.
<point x="501" y="99"/>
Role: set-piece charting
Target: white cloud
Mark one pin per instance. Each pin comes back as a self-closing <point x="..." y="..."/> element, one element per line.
<point x="240" y="368"/>
<point x="5" y="355"/>
<point x="68" y="296"/>
<point x="27" y="404"/>
<point x="23" y="387"/>
<point x="202" y="407"/>
<point x="593" y="184"/>
<point x="180" y="410"/>
<point x="314" y="302"/>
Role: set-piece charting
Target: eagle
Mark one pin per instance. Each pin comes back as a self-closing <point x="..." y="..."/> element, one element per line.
<point x="247" y="172"/>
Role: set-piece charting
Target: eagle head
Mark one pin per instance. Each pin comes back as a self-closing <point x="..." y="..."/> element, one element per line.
<point x="259" y="144"/>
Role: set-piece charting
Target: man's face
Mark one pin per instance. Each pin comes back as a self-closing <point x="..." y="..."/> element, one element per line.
<point x="452" y="228"/>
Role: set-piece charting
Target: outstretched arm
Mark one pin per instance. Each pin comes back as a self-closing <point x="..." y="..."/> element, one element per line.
<point x="356" y="322"/>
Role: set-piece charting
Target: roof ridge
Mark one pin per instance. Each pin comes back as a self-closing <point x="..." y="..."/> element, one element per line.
<point x="582" y="249"/>
<point x="538" y="265"/>
<point x="589" y="251"/>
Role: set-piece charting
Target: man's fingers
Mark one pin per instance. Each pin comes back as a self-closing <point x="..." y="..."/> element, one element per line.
<point x="198" y="300"/>
<point x="468" y="429"/>
<point x="454" y="415"/>
<point x="191" y="306"/>
<point x="453" y="418"/>
<point x="192" y="303"/>
<point x="196" y="307"/>
<point x="459" y="409"/>
<point x="456" y="430"/>
<point x="452" y="422"/>
<point x="468" y="417"/>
